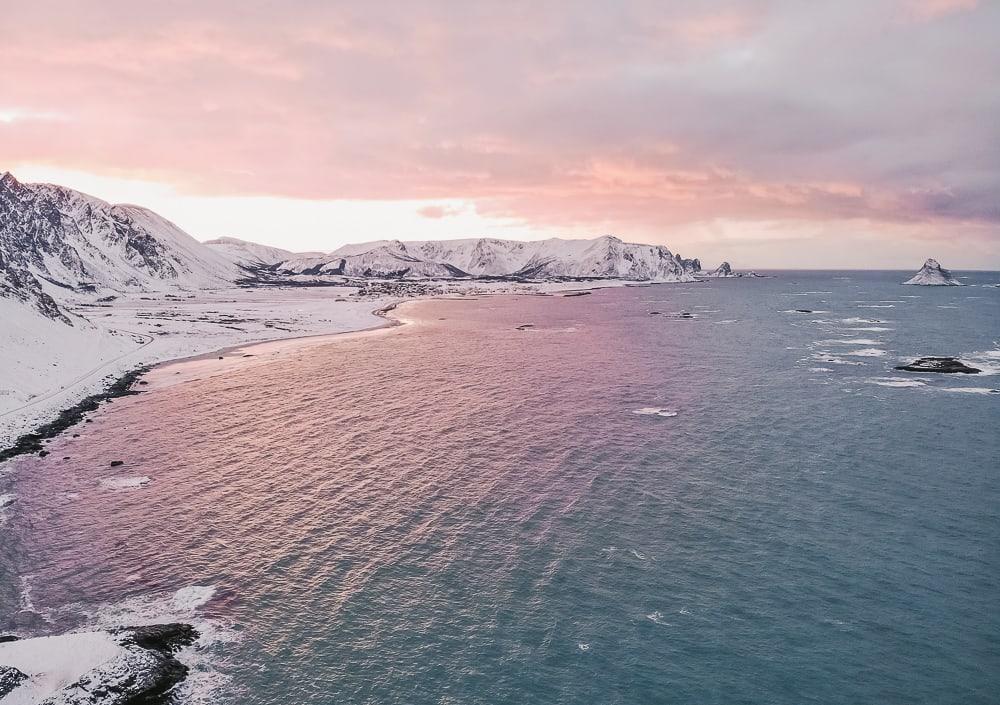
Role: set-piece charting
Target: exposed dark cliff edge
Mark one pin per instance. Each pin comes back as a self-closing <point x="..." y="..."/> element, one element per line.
<point x="32" y="442"/>
<point x="947" y="365"/>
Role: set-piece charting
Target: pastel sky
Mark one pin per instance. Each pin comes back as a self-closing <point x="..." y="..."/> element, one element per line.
<point x="781" y="133"/>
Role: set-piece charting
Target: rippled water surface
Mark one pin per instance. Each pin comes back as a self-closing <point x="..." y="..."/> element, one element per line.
<point x="613" y="505"/>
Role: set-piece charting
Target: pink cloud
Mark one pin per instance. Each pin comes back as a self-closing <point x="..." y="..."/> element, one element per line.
<point x="926" y="10"/>
<point x="641" y="112"/>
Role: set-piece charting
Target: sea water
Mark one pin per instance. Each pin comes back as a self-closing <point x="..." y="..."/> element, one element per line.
<point x="593" y="499"/>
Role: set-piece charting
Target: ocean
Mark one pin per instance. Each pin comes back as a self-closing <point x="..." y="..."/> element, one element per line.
<point x="691" y="493"/>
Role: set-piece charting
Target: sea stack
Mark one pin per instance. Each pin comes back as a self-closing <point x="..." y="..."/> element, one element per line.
<point x="723" y="270"/>
<point x="933" y="274"/>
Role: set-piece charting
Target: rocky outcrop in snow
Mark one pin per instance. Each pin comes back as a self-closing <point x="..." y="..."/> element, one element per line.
<point x="54" y="239"/>
<point x="129" y="665"/>
<point x="933" y="274"/>
<point x="602" y="258"/>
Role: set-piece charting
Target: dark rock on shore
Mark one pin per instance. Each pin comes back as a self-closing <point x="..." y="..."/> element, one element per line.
<point x="10" y="678"/>
<point x="576" y="293"/>
<point x="116" y="463"/>
<point x="32" y="442"/>
<point x="143" y="674"/>
<point x="946" y="365"/>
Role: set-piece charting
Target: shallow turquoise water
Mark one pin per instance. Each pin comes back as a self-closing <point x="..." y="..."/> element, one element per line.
<point x="456" y="511"/>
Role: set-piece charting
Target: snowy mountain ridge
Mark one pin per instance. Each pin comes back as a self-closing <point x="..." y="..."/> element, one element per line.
<point x="603" y="257"/>
<point x="57" y="243"/>
<point x="54" y="239"/>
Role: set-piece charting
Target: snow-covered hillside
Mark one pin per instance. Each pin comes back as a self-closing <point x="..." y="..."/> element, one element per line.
<point x="54" y="239"/>
<point x="244" y="252"/>
<point x="603" y="257"/>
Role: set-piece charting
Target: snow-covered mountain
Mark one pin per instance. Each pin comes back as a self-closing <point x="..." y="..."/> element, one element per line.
<point x="603" y="257"/>
<point x="933" y="274"/>
<point x="246" y="252"/>
<point x="55" y="239"/>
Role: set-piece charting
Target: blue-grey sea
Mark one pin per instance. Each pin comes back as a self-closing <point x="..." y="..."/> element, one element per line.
<point x="692" y="493"/>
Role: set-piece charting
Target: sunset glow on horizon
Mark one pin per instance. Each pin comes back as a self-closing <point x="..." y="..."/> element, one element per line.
<point x="771" y="134"/>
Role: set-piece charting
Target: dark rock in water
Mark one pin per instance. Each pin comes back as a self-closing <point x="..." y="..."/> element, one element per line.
<point x="946" y="365"/>
<point x="65" y="457"/>
<point x="221" y="358"/>
<point x="143" y="382"/>
<point x="525" y="326"/>
<point x="576" y="293"/>
<point x="803" y="310"/>
<point x="116" y="463"/>
<point x="160" y="637"/>
<point x="10" y="678"/>
<point x="76" y="435"/>
<point x="42" y="453"/>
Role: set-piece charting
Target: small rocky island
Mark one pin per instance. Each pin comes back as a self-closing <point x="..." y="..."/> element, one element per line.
<point x="946" y="365"/>
<point x="933" y="274"/>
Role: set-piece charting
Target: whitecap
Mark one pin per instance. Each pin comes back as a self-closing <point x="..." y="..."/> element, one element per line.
<point x="868" y="329"/>
<point x="897" y="381"/>
<point x="656" y="618"/>
<point x="866" y="352"/>
<point x="726" y="322"/>
<point x="583" y="646"/>
<point x="125" y="483"/>
<point x="848" y="341"/>
<point x="860" y="320"/>
<point x="655" y="411"/>
<point x="876" y="305"/>
<point x="6" y="500"/>
<point x="638" y="554"/>
<point x="820" y="369"/>
<point x="192" y="596"/>
<point x="971" y="390"/>
<point x="833" y="359"/>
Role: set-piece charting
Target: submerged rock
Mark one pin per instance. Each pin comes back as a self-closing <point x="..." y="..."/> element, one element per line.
<point x="933" y="274"/>
<point x="946" y="365"/>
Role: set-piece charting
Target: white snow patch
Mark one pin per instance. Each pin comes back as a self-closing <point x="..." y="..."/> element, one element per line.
<point x="54" y="662"/>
